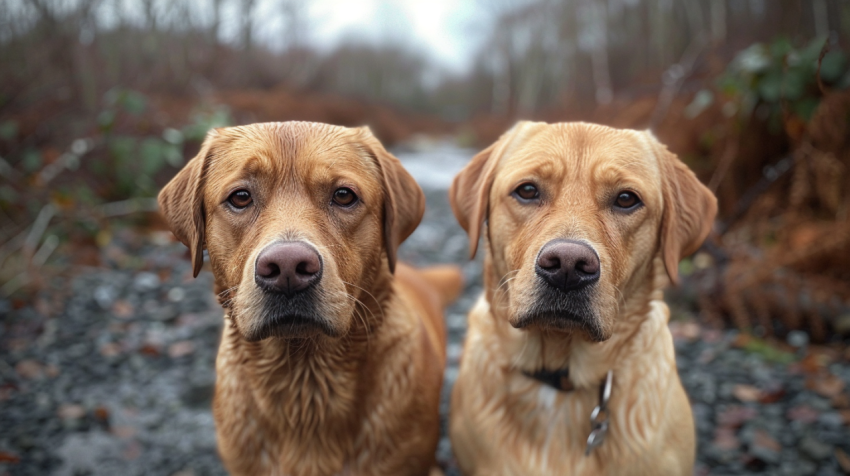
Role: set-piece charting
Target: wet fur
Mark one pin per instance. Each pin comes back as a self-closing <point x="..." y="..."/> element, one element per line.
<point x="349" y="381"/>
<point x="503" y="422"/>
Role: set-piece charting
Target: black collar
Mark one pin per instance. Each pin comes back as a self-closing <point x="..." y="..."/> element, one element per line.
<point x="557" y="379"/>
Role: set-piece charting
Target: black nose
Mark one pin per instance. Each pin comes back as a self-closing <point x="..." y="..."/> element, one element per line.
<point x="567" y="265"/>
<point x="287" y="268"/>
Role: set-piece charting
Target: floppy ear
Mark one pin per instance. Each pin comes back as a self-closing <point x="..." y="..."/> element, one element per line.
<point x="181" y="202"/>
<point x="404" y="201"/>
<point x="469" y="194"/>
<point x="689" y="211"/>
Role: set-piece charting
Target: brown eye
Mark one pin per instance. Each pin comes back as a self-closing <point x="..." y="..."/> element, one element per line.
<point x="527" y="191"/>
<point x="627" y="200"/>
<point x="240" y="199"/>
<point x="344" y="197"/>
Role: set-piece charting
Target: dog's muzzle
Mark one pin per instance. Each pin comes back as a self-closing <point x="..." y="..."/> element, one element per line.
<point x="288" y="273"/>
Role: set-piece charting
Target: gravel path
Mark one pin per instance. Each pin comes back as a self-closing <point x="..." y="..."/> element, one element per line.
<point x="112" y="373"/>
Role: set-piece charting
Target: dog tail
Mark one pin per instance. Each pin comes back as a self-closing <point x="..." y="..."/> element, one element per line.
<point x="447" y="279"/>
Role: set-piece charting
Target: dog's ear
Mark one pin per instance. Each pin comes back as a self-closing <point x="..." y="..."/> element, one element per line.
<point x="404" y="201"/>
<point x="181" y="202"/>
<point x="469" y="194"/>
<point x="689" y="211"/>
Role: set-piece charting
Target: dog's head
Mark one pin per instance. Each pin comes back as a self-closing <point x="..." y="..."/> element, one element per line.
<point x="299" y="220"/>
<point x="575" y="215"/>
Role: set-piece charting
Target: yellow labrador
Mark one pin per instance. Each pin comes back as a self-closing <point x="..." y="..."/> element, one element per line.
<point x="569" y="366"/>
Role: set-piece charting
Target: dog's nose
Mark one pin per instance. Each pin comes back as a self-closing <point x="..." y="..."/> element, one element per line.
<point x="568" y="265"/>
<point x="287" y="268"/>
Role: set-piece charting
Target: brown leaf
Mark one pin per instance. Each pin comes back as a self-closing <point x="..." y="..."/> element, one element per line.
<point x="725" y="439"/>
<point x="51" y="370"/>
<point x="71" y="411"/>
<point x="803" y="413"/>
<point x="110" y="349"/>
<point x="122" y="309"/>
<point x="762" y="439"/>
<point x="180" y="349"/>
<point x="746" y="393"/>
<point x="124" y="432"/>
<point x="826" y="385"/>
<point x="772" y="394"/>
<point x="150" y="350"/>
<point x="9" y="458"/>
<point x="101" y="414"/>
<point x="30" y="369"/>
<point x="734" y="416"/>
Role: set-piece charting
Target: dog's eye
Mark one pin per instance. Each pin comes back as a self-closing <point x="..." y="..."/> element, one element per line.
<point x="627" y="200"/>
<point x="240" y="199"/>
<point x="527" y="191"/>
<point x="344" y="197"/>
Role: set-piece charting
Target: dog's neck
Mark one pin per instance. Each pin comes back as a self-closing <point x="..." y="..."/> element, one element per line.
<point x="588" y="362"/>
<point x="319" y="378"/>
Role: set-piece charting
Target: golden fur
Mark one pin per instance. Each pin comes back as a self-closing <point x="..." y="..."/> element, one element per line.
<point x="359" y="393"/>
<point x="504" y="422"/>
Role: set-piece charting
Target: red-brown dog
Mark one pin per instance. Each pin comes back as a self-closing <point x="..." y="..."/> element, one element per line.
<point x="332" y="357"/>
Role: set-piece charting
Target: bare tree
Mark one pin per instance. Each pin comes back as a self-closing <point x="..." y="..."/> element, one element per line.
<point x="247" y="10"/>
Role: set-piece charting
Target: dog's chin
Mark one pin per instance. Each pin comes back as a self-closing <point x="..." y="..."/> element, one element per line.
<point x="561" y="321"/>
<point x="573" y="312"/>
<point x="286" y="318"/>
<point x="290" y="326"/>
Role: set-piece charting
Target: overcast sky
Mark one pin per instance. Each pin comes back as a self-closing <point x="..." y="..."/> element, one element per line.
<point x="447" y="30"/>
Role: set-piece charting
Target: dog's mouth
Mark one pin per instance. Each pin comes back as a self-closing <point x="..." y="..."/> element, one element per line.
<point x="291" y="326"/>
<point x="565" y="312"/>
<point x="287" y="317"/>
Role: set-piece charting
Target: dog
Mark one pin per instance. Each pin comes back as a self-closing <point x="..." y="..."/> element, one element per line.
<point x="568" y="365"/>
<point x="331" y="360"/>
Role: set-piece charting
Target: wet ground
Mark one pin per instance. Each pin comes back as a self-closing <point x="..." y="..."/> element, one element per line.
<point x="111" y="372"/>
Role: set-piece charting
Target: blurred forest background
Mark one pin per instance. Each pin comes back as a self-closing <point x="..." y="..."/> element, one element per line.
<point x="107" y="343"/>
<point x="101" y="101"/>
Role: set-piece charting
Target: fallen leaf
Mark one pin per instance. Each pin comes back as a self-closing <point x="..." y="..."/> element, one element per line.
<point x="150" y="350"/>
<point x="802" y="413"/>
<point x="124" y="432"/>
<point x="110" y="349"/>
<point x="762" y="439"/>
<point x="51" y="370"/>
<point x="746" y="393"/>
<point x="181" y="349"/>
<point x="9" y="458"/>
<point x="101" y="413"/>
<point x="734" y="416"/>
<point x="71" y="411"/>
<point x="772" y="393"/>
<point x="725" y="439"/>
<point x="30" y="369"/>
<point x="122" y="309"/>
<point x="812" y="363"/>
<point x="825" y="385"/>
